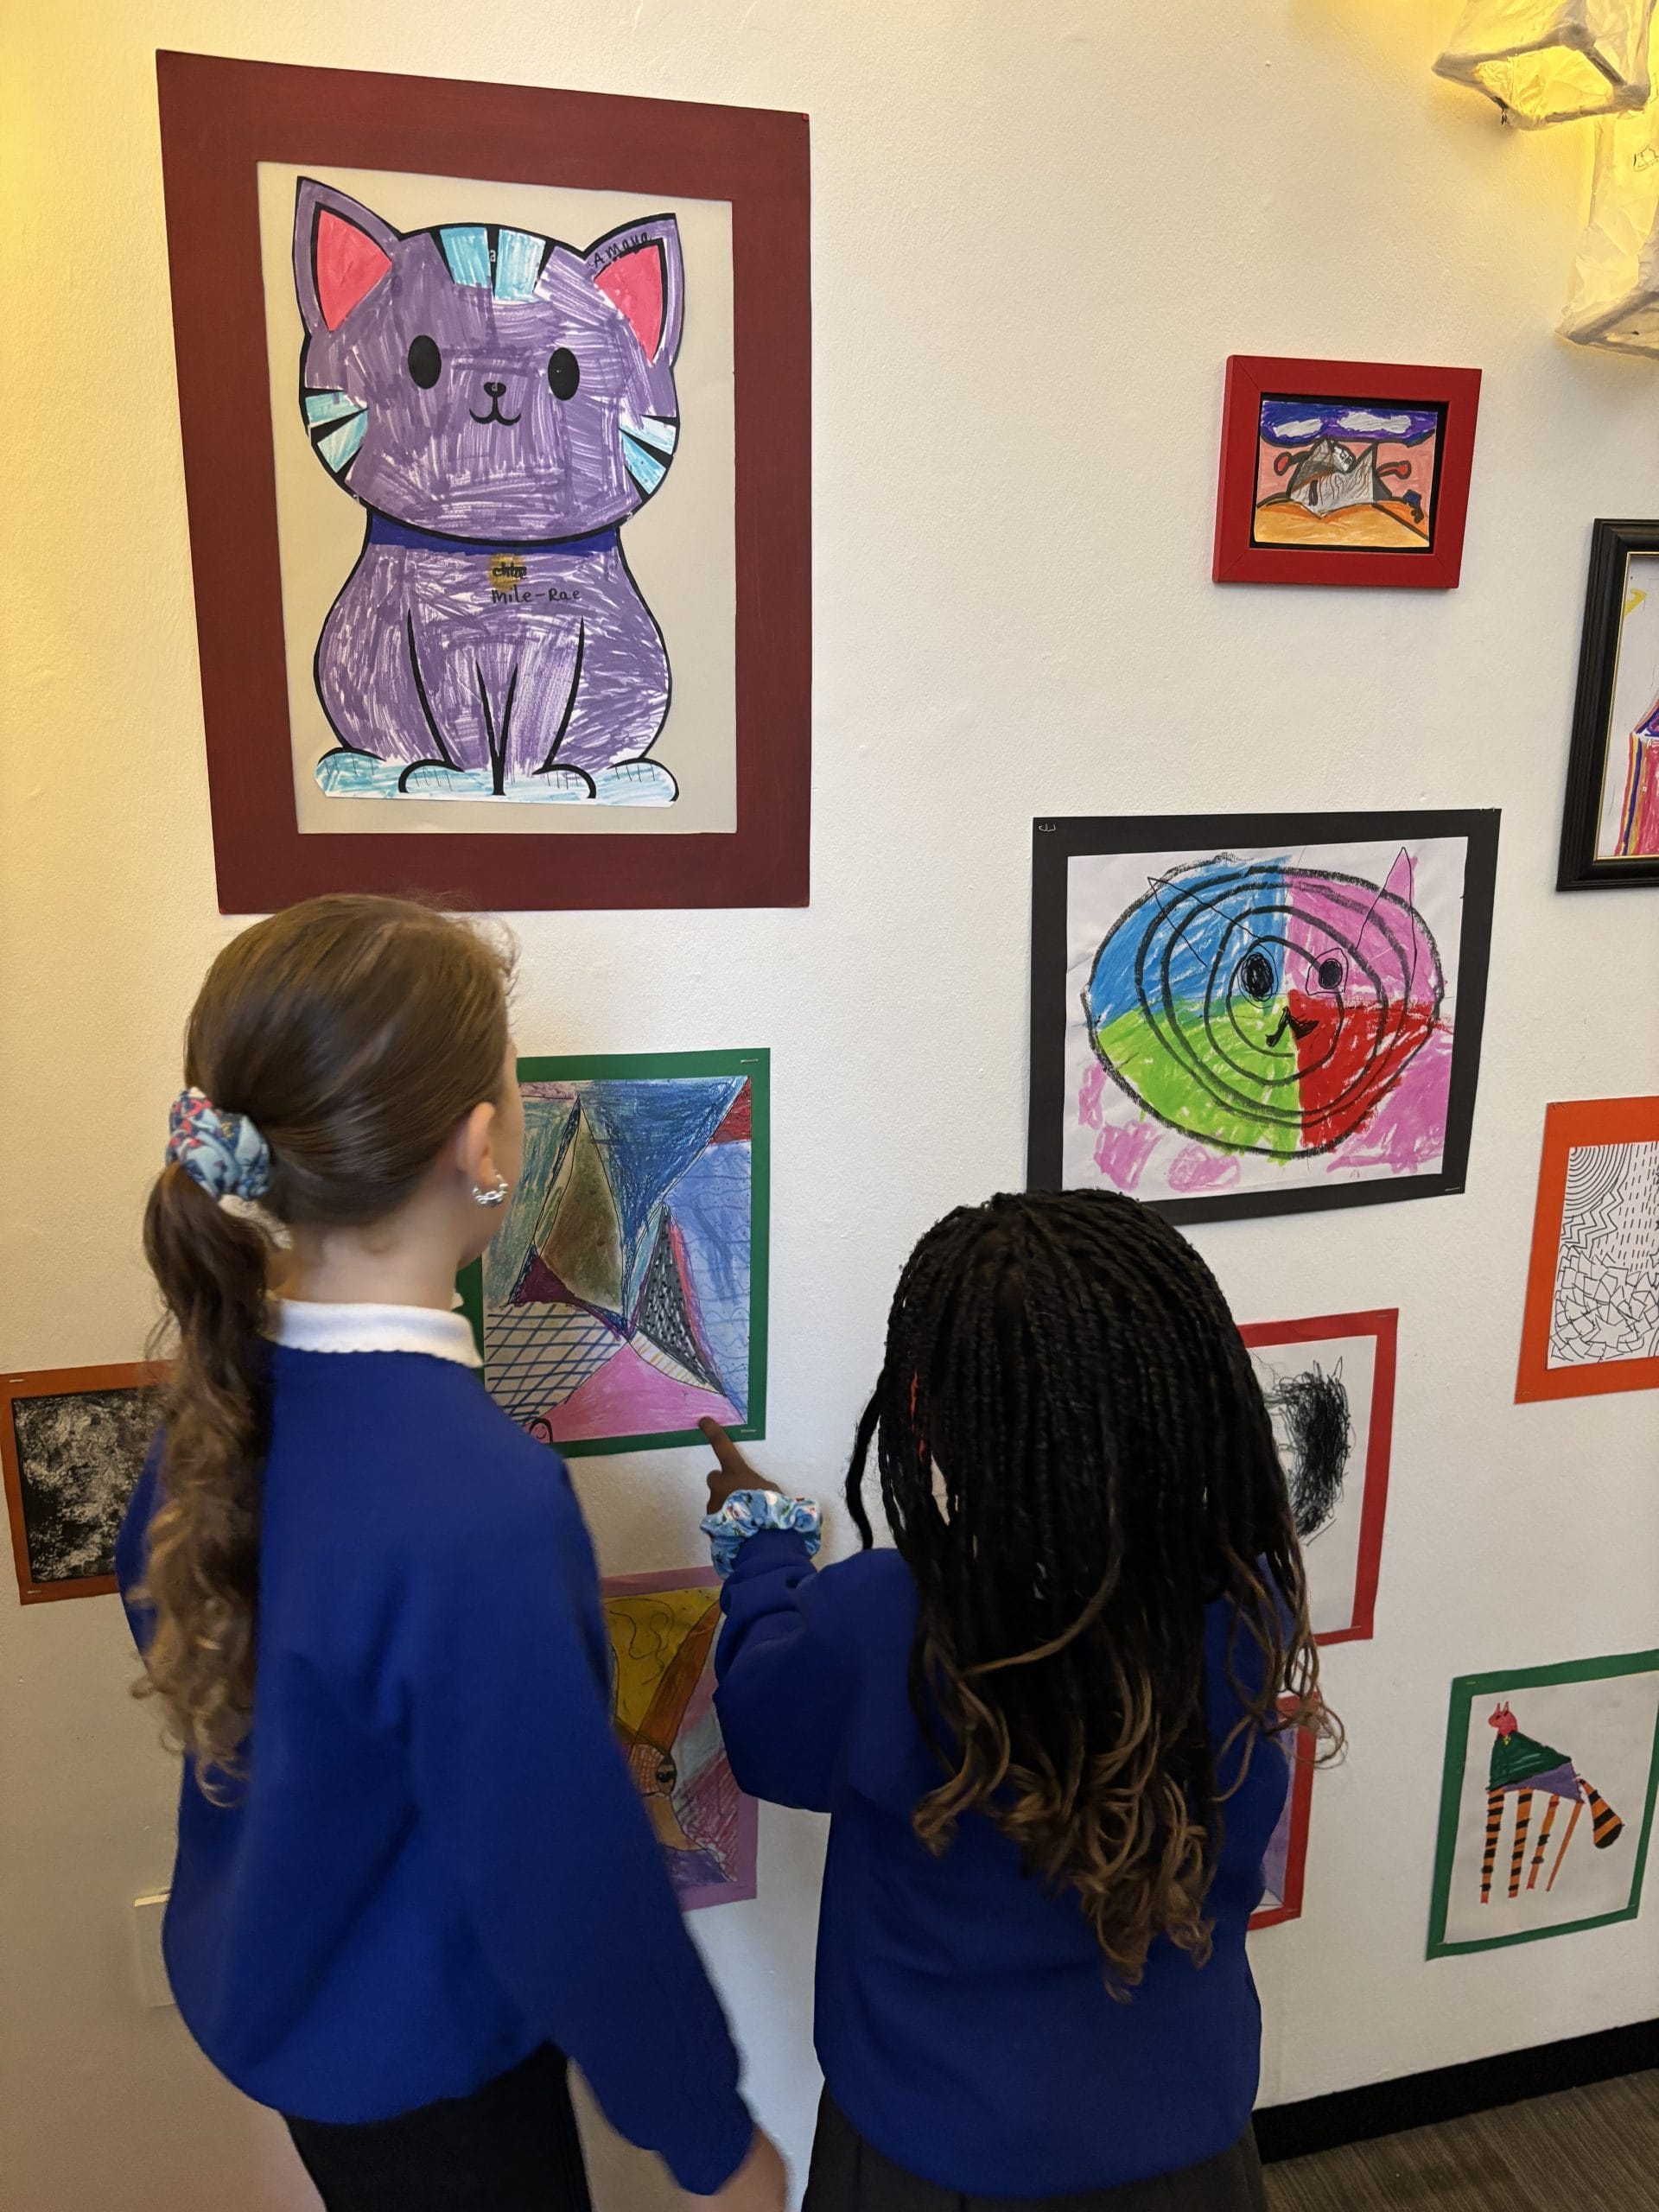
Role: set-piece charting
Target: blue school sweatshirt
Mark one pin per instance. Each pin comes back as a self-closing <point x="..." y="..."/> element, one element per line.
<point x="438" y="1862"/>
<point x="962" y="2018"/>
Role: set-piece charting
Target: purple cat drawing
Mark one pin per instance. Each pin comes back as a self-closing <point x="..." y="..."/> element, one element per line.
<point x="500" y="405"/>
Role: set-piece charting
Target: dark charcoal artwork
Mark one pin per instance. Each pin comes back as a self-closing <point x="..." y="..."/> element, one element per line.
<point x="1312" y="1417"/>
<point x="79" y="1456"/>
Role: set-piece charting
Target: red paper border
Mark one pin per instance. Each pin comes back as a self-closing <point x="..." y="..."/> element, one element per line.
<point x="1249" y="376"/>
<point x="1383" y="1324"/>
<point x="748" y="1810"/>
<point x="1567" y="1123"/>
<point x="1301" y="1809"/>
<point x="56" y="1382"/>
<point x="218" y="119"/>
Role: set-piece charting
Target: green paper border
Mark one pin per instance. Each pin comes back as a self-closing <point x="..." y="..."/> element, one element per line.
<point x="593" y="1067"/>
<point x="1465" y="1689"/>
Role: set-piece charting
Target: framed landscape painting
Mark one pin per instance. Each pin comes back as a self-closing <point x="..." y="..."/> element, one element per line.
<point x="1343" y="473"/>
<point x="1610" y="824"/>
<point x="623" y="1299"/>
<point x="1592" y="1319"/>
<point x="72" y="1441"/>
<point x="495" y="407"/>
<point x="1237" y="1014"/>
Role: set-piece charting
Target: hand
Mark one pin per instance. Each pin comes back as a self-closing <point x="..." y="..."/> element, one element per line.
<point x="761" y="2183"/>
<point x="734" y="1471"/>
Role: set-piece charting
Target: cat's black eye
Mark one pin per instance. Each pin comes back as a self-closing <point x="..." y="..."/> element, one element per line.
<point x="1256" y="973"/>
<point x="425" y="362"/>
<point x="1330" y="974"/>
<point x="563" y="373"/>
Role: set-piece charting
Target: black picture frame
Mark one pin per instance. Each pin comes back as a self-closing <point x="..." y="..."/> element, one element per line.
<point x="1611" y="544"/>
<point x="1056" y="840"/>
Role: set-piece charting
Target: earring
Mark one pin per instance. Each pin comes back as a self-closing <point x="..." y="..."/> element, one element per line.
<point x="495" y="1198"/>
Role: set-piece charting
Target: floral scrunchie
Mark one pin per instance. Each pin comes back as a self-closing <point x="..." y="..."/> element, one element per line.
<point x="752" y="1512"/>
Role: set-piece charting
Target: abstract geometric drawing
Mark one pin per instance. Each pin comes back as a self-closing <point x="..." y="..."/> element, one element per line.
<point x="1343" y="473"/>
<point x="1609" y="823"/>
<point x="1330" y="473"/>
<point x="662" y="1629"/>
<point x="1328" y="1383"/>
<point x="624" y="1298"/>
<point x="1531" y="1753"/>
<point x="1285" y="1866"/>
<point x="1592" y="1319"/>
<point x="72" y="1443"/>
<point x="1239" y="1020"/>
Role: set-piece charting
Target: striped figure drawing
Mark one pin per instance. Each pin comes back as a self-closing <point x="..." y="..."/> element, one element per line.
<point x="1521" y="1768"/>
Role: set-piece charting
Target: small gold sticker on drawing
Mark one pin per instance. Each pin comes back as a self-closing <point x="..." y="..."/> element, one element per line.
<point x="507" y="572"/>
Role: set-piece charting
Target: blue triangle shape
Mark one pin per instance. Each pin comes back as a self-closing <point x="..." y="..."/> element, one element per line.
<point x="650" y="1130"/>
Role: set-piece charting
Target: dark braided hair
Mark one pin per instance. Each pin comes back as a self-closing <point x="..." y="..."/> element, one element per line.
<point x="1075" y="1460"/>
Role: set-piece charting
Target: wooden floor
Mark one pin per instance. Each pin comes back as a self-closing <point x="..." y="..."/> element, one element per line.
<point x="1593" y="2148"/>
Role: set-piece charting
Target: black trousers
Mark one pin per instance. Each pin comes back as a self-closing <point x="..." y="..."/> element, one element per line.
<point x="847" y="2176"/>
<point x="510" y="2146"/>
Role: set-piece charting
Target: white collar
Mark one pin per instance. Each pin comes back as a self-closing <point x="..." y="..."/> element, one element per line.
<point x="305" y="1324"/>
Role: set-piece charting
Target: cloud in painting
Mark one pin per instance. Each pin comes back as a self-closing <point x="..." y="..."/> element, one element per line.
<point x="1293" y="422"/>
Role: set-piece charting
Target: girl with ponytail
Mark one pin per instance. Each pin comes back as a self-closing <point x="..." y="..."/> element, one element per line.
<point x="413" y="1875"/>
<point x="1047" y="1725"/>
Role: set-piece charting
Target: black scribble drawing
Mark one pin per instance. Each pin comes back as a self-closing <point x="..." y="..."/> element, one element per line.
<point x="79" y="1458"/>
<point x="1606" y="1300"/>
<point x="1314" y="1430"/>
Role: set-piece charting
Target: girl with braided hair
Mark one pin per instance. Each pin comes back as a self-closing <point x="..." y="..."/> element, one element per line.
<point x="1037" y="1722"/>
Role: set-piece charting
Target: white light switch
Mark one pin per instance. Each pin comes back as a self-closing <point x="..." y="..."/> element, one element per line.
<point x="147" y="1923"/>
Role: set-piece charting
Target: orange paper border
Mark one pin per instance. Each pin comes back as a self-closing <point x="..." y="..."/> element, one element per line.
<point x="1574" y="1122"/>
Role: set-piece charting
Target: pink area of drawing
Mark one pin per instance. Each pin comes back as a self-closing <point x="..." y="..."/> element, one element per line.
<point x="349" y="264"/>
<point x="1121" y="1154"/>
<point x="1194" y="1169"/>
<point x="630" y="1397"/>
<point x="634" y="283"/>
<point x="1407" y="1134"/>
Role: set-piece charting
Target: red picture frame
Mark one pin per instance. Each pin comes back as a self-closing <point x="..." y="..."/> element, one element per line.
<point x="1384" y="1325"/>
<point x="1254" y="378"/>
<point x="219" y="119"/>
<point x="55" y="1383"/>
<point x="1299" y="1808"/>
<point x="1567" y="1124"/>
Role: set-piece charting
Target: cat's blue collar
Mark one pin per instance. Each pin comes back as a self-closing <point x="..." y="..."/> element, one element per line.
<point x="382" y="530"/>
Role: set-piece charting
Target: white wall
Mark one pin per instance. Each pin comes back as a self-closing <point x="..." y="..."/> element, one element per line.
<point x="1038" y="230"/>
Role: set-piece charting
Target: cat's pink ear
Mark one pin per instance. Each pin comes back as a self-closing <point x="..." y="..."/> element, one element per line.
<point x="638" y="269"/>
<point x="341" y="251"/>
<point x="1400" y="882"/>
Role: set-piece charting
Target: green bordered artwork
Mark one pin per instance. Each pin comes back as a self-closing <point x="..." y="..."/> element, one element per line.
<point x="624" y="1297"/>
<point x="1547" y="1802"/>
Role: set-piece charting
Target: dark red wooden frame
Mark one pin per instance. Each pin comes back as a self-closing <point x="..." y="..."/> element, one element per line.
<point x="56" y="1382"/>
<point x="1253" y="377"/>
<point x="218" y="119"/>
<point x="1383" y="1324"/>
<point x="1567" y="1123"/>
<point x="1301" y="1812"/>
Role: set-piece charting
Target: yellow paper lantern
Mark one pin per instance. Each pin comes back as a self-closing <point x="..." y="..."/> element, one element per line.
<point x="1552" y="61"/>
<point x="1615" y="299"/>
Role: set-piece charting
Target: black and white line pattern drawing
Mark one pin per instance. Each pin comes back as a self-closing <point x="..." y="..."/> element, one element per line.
<point x="1606" y="1297"/>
